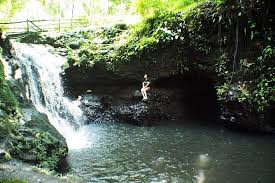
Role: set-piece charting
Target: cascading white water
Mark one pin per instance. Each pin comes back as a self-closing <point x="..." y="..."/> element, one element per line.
<point x="42" y="70"/>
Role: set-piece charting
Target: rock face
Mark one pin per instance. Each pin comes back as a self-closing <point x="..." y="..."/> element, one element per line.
<point x="124" y="107"/>
<point x="124" y="104"/>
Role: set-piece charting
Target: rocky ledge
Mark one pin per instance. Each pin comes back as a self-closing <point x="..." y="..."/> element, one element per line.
<point x="194" y="100"/>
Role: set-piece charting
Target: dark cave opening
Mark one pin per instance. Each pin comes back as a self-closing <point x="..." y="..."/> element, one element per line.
<point x="198" y="99"/>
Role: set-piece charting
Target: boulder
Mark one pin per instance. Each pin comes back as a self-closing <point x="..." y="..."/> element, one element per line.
<point x="37" y="141"/>
<point x="74" y="45"/>
<point x="4" y="155"/>
<point x="3" y="114"/>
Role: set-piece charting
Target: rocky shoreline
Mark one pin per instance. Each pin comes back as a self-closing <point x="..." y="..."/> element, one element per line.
<point x="17" y="170"/>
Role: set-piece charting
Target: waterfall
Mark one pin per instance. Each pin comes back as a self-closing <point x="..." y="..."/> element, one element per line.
<point x="44" y="88"/>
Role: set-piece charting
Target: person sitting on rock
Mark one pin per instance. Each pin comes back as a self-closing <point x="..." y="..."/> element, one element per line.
<point x="145" y="87"/>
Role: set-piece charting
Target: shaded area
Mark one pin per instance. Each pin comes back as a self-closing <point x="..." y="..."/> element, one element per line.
<point x="198" y="99"/>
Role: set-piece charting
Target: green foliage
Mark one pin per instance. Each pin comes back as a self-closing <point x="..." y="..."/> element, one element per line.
<point x="263" y="90"/>
<point x="222" y="68"/>
<point x="149" y="7"/>
<point x="8" y="8"/>
<point x="222" y="91"/>
<point x="8" y="106"/>
<point x="72" y="59"/>
<point x="172" y="32"/>
<point x="12" y="181"/>
<point x="8" y="102"/>
<point x="95" y="48"/>
<point x="162" y="30"/>
<point x="112" y="32"/>
<point x="259" y="90"/>
<point x="202" y="28"/>
<point x="42" y="145"/>
<point x="32" y="37"/>
<point x="159" y="29"/>
<point x="147" y="43"/>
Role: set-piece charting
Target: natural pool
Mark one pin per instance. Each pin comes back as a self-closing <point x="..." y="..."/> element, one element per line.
<point x="189" y="153"/>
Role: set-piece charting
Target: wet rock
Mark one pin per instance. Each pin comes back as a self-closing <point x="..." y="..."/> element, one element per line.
<point x="127" y="107"/>
<point x="4" y="156"/>
<point x="36" y="120"/>
<point x="63" y="52"/>
<point x="142" y="113"/>
<point x="74" y="45"/>
<point x="3" y="114"/>
<point x="104" y="52"/>
<point x="96" y="109"/>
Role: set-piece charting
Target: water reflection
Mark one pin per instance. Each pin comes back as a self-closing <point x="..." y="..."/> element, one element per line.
<point x="200" y="176"/>
<point x="202" y="163"/>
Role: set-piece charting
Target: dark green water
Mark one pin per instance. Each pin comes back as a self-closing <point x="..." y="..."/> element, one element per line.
<point x="173" y="153"/>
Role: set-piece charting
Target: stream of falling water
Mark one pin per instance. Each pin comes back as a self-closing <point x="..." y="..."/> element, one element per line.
<point x="44" y="88"/>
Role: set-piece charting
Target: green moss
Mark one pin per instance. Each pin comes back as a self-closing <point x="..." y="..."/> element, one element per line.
<point x="32" y="37"/>
<point x="8" y="102"/>
<point x="181" y="41"/>
<point x="12" y="181"/>
<point x="162" y="31"/>
<point x="40" y="145"/>
<point x="7" y="157"/>
<point x="8" y="106"/>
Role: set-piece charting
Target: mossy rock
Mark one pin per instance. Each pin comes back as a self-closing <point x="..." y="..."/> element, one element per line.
<point x="8" y="107"/>
<point x="8" y="102"/>
<point x="4" y="156"/>
<point x="37" y="141"/>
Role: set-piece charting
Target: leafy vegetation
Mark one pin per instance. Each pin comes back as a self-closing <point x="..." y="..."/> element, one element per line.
<point x="176" y="33"/>
<point x="8" y="106"/>
<point x="172" y="33"/>
<point x="147" y="8"/>
<point x="42" y="145"/>
<point x="250" y="77"/>
<point x="207" y="30"/>
<point x="8" y="8"/>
